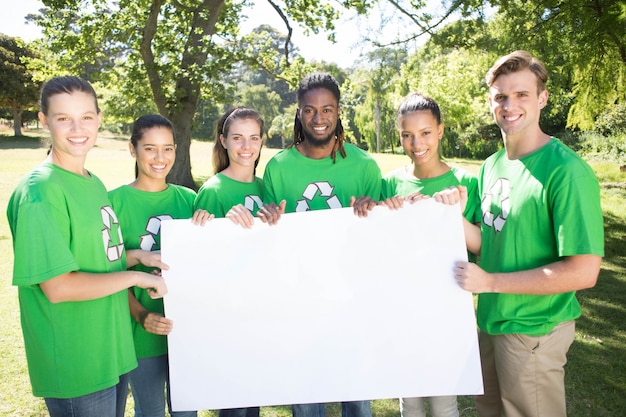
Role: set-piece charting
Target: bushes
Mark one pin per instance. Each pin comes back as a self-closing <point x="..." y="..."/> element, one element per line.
<point x="604" y="148"/>
<point x="477" y="143"/>
<point x="612" y="121"/>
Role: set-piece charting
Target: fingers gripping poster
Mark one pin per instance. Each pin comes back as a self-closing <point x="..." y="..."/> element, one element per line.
<point x="322" y="307"/>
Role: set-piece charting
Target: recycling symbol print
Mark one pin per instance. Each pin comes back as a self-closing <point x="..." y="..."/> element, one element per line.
<point x="252" y="201"/>
<point x="114" y="249"/>
<point x="148" y="241"/>
<point x="325" y="190"/>
<point x="496" y="204"/>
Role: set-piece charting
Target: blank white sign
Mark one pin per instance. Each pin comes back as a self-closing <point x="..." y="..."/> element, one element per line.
<point x="323" y="307"/>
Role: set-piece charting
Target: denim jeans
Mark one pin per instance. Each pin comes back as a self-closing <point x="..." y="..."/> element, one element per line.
<point x="240" y="412"/>
<point x="348" y="409"/>
<point x="109" y="402"/>
<point x="147" y="383"/>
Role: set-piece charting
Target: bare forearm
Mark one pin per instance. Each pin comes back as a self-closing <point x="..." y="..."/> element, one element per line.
<point x="570" y="274"/>
<point x="82" y="286"/>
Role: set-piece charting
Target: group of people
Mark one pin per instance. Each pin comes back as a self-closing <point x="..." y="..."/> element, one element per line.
<point x="85" y="259"/>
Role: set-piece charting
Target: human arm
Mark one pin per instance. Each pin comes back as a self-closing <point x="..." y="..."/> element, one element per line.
<point x="83" y="286"/>
<point x="572" y="273"/>
<point x="151" y="321"/>
<point x="270" y="213"/>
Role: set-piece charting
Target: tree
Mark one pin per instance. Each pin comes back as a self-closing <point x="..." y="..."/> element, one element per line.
<point x="182" y="49"/>
<point x="375" y="116"/>
<point x="582" y="42"/>
<point x="18" y="90"/>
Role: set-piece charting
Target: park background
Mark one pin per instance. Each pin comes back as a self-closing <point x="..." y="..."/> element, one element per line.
<point x="191" y="59"/>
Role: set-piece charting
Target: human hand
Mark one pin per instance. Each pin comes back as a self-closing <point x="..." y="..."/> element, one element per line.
<point x="154" y="284"/>
<point x="155" y="323"/>
<point x="416" y="196"/>
<point x="449" y="196"/>
<point x="473" y="278"/>
<point x="200" y="217"/>
<point x="270" y="213"/>
<point x="362" y="205"/>
<point x="240" y="215"/>
<point x="393" y="203"/>
<point x="146" y="258"/>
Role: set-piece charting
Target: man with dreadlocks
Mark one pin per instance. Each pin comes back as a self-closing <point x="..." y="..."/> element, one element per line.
<point x="309" y="175"/>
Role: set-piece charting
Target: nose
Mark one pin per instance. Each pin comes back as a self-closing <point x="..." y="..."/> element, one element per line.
<point x="245" y="142"/>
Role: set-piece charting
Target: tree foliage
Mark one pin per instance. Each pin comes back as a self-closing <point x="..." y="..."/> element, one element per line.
<point x="18" y="90"/>
<point x="181" y="49"/>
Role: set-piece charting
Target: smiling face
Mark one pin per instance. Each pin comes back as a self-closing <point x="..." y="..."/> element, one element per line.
<point x="420" y="134"/>
<point x="319" y="113"/>
<point x="243" y="143"/>
<point x="155" y="153"/>
<point x="516" y="103"/>
<point x="73" y="121"/>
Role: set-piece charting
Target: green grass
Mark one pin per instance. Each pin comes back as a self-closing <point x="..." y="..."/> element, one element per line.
<point x="595" y="380"/>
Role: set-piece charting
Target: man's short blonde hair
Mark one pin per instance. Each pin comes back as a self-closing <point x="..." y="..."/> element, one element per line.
<point x="518" y="61"/>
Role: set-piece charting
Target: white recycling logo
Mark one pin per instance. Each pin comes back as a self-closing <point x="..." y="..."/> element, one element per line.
<point x="499" y="192"/>
<point x="153" y="228"/>
<point x="114" y="250"/>
<point x="325" y="190"/>
<point x="252" y="201"/>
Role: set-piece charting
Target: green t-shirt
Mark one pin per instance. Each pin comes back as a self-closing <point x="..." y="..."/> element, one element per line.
<point x="402" y="183"/>
<point x="536" y="210"/>
<point x="140" y="214"/>
<point x="220" y="193"/>
<point x="62" y="222"/>
<point x="317" y="184"/>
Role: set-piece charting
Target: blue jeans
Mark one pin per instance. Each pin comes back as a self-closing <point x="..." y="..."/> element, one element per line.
<point x="147" y="383"/>
<point x="109" y="402"/>
<point x="348" y="409"/>
<point x="240" y="412"/>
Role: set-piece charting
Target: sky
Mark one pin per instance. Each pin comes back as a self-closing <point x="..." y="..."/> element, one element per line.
<point x="314" y="47"/>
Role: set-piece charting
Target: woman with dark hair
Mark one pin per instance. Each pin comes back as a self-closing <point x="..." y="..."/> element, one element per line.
<point x="140" y="207"/>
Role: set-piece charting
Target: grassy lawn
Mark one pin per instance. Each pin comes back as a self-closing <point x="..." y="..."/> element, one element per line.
<point x="595" y="376"/>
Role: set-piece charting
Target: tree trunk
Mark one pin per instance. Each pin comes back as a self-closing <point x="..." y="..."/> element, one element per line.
<point x="17" y="121"/>
<point x="181" y="171"/>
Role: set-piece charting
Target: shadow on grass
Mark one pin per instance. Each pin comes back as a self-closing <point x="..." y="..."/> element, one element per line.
<point x="595" y="371"/>
<point x="22" y="142"/>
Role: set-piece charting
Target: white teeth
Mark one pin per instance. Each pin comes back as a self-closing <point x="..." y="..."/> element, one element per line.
<point x="319" y="128"/>
<point x="246" y="155"/>
<point x="418" y="154"/>
<point x="158" y="166"/>
<point x="511" y="118"/>
<point x="77" y="140"/>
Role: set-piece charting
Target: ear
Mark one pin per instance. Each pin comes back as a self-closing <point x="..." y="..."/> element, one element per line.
<point x="223" y="141"/>
<point x="43" y="119"/>
<point x="133" y="151"/>
<point x="543" y="99"/>
<point x="441" y="130"/>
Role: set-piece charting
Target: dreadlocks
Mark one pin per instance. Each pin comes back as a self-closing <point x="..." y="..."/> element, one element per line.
<point x="314" y="81"/>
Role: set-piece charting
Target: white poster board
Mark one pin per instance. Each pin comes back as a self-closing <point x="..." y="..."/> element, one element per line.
<point x="323" y="307"/>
